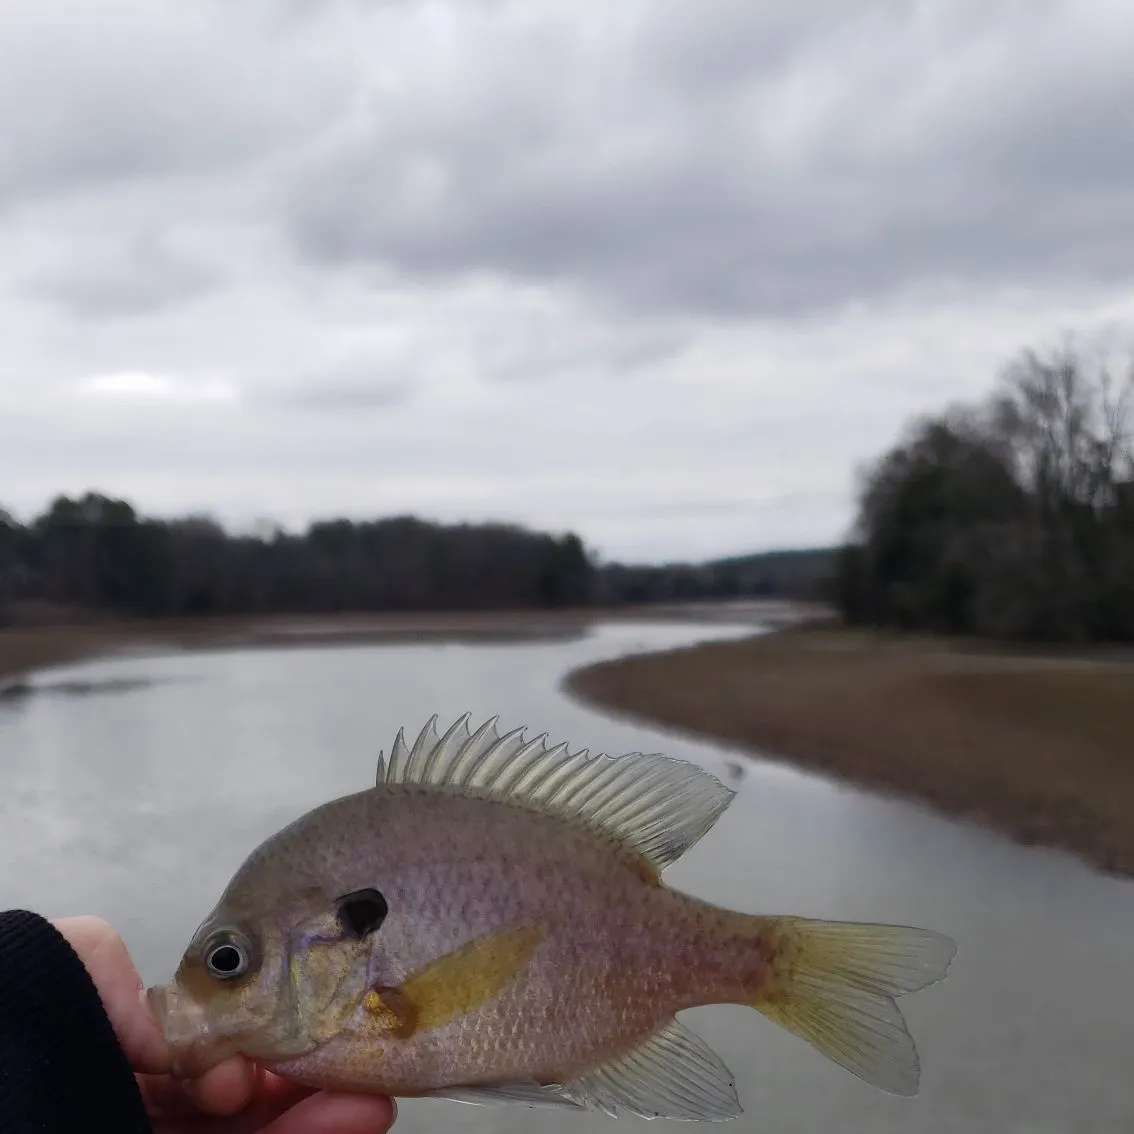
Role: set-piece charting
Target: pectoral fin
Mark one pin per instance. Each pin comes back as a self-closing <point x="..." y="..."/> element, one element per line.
<point x="392" y="1012"/>
<point x="456" y="984"/>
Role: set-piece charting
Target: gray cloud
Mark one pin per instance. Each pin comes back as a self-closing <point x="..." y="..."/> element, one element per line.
<point x="544" y="345"/>
<point x="136" y="278"/>
<point x="117" y="94"/>
<point x="355" y="387"/>
<point x="665" y="273"/>
<point x="725" y="159"/>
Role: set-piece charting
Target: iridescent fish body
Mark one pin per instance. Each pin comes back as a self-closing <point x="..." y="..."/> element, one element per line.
<point x="488" y="923"/>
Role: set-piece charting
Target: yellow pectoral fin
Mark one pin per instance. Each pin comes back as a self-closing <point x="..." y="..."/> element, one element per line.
<point x="392" y="1012"/>
<point x="458" y="983"/>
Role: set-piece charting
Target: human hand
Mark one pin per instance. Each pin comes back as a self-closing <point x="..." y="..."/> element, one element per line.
<point x="235" y="1097"/>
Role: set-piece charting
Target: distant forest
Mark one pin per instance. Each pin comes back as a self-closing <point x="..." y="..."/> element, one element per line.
<point x="1010" y="519"/>
<point x="96" y="553"/>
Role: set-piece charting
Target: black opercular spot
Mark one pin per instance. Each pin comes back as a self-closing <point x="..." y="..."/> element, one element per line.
<point x="363" y="911"/>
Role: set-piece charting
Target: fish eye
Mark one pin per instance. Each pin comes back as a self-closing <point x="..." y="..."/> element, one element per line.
<point x="363" y="911"/>
<point x="227" y="956"/>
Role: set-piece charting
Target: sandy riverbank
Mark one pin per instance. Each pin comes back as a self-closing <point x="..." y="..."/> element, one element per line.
<point x="1042" y="748"/>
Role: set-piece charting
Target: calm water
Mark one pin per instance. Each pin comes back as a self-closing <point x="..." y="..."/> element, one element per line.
<point x="137" y="802"/>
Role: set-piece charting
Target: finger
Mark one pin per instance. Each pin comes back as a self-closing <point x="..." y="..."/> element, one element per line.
<point x="165" y="1097"/>
<point x="170" y="1099"/>
<point x="287" y="1109"/>
<point x="327" y="1113"/>
<point x="226" y="1088"/>
<point x="120" y="989"/>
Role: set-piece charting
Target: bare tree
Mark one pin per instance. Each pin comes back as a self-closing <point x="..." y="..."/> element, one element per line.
<point x="1012" y="518"/>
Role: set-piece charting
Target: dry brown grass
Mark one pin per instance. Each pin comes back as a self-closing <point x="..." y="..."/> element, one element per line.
<point x="1042" y="748"/>
<point x="24" y="649"/>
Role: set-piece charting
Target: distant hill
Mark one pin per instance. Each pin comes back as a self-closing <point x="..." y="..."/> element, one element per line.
<point x="793" y="574"/>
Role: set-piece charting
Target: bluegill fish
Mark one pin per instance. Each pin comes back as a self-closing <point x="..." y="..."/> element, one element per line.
<point x="488" y="923"/>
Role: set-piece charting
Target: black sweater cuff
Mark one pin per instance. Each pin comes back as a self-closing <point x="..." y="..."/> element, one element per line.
<point x="62" y="1069"/>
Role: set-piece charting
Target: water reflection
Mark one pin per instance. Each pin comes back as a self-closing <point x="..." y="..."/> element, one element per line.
<point x="140" y="807"/>
<point x="17" y="693"/>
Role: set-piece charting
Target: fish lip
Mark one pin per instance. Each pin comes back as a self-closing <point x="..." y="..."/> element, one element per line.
<point x="194" y="1045"/>
<point x="185" y="1029"/>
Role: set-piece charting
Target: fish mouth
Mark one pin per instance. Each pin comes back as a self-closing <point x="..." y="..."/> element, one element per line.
<point x="186" y="1031"/>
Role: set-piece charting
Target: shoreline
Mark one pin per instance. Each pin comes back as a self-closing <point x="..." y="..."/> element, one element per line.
<point x="1039" y="748"/>
<point x="25" y="650"/>
<point x="1036" y="746"/>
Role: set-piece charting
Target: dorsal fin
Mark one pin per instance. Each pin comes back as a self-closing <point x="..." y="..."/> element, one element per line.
<point x="654" y="805"/>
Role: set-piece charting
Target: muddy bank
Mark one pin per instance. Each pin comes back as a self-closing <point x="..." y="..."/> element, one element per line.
<point x="28" y="648"/>
<point x="1041" y="748"/>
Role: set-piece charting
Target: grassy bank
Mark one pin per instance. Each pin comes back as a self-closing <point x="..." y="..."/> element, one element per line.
<point x="1040" y="747"/>
<point x="25" y="649"/>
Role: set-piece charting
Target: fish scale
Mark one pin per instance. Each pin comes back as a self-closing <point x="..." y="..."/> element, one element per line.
<point x="515" y="942"/>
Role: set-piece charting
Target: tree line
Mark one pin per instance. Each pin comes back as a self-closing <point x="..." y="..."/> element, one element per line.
<point x="96" y="553"/>
<point x="1011" y="518"/>
<point x="793" y="574"/>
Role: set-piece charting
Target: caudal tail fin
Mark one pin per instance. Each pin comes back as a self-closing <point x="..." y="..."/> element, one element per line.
<point x="834" y="984"/>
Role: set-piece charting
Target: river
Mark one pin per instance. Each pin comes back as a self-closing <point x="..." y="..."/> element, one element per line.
<point x="132" y="787"/>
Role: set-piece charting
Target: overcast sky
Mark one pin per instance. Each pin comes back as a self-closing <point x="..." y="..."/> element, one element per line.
<point x="665" y="273"/>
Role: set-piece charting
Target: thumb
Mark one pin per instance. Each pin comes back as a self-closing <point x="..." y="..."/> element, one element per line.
<point x="121" y="990"/>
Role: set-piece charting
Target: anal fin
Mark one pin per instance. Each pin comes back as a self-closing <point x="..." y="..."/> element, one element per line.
<point x="526" y="1094"/>
<point x="674" y="1075"/>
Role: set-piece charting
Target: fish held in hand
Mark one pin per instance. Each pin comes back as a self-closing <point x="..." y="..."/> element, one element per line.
<point x="488" y="923"/>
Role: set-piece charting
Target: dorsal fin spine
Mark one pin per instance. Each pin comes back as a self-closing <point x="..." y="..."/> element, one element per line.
<point x="440" y="751"/>
<point x="537" y="772"/>
<point x="654" y="806"/>
<point x="426" y="738"/>
<point x="524" y="758"/>
<point x="472" y="743"/>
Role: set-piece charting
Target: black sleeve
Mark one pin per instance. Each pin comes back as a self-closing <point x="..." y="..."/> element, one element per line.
<point x="62" y="1070"/>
